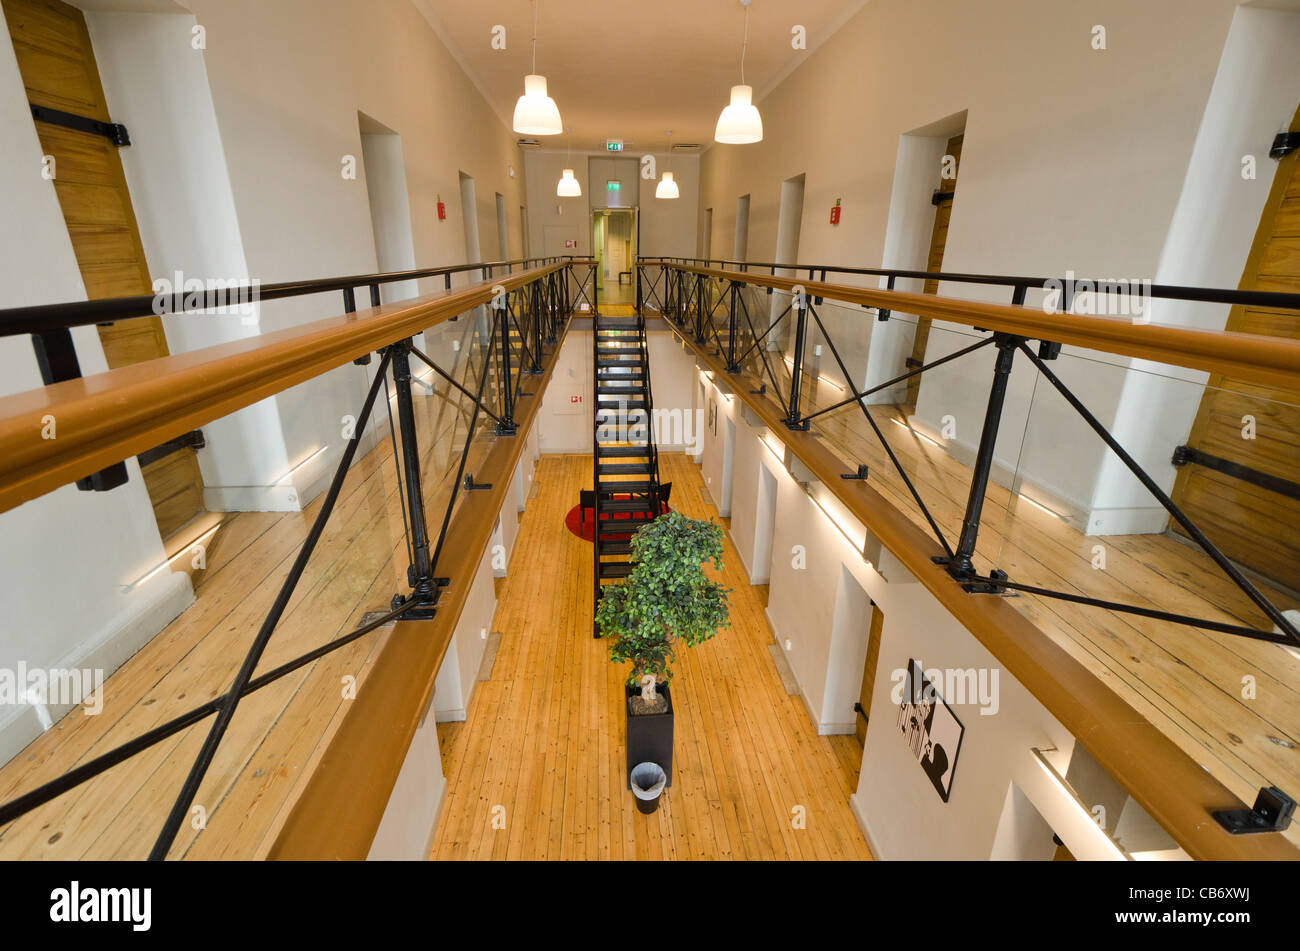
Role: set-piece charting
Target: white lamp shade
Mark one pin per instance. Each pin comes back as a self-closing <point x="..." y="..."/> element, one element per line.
<point x="536" y="113"/>
<point x="667" y="187"/>
<point x="568" y="186"/>
<point x="740" y="123"/>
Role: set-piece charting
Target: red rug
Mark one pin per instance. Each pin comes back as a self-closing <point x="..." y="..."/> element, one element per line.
<point x="588" y="530"/>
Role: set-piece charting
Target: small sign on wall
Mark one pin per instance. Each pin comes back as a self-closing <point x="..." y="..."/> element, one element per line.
<point x="571" y="401"/>
<point x="570" y="243"/>
<point x="932" y="732"/>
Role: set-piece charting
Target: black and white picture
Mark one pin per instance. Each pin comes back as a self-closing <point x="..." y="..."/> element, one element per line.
<point x="932" y="732"/>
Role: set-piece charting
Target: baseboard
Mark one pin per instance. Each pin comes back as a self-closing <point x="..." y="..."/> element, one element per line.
<point x="1143" y="520"/>
<point x="864" y="827"/>
<point x="294" y="492"/>
<point x="251" y="498"/>
<point x="437" y="817"/>
<point x="1082" y="517"/>
<point x="823" y="729"/>
<point x="771" y="627"/>
<point x="744" y="562"/>
<point x="837" y="729"/>
<point x="124" y="636"/>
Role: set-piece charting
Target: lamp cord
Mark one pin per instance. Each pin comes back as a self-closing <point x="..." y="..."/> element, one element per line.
<point x="743" y="46"/>
<point x="537" y="5"/>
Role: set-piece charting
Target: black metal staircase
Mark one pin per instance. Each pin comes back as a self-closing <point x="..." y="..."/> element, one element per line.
<point x="625" y="461"/>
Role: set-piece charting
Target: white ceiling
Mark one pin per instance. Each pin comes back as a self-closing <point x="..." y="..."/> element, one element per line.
<point x="630" y="69"/>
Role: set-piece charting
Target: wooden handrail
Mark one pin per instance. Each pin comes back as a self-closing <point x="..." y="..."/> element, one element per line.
<point x="1269" y="361"/>
<point x="337" y="808"/>
<point x="1171" y="786"/>
<point x="111" y="416"/>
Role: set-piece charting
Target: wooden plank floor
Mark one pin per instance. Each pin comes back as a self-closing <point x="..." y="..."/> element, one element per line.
<point x="1190" y="683"/>
<point x="277" y="732"/>
<point x="544" y="736"/>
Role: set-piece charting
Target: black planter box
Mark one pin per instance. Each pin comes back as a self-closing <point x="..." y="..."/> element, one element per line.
<point x="650" y="737"/>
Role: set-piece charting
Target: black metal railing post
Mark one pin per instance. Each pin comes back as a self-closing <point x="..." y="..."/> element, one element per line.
<point x="56" y="356"/>
<point x="595" y="291"/>
<point x="640" y="301"/>
<point x="552" y="306"/>
<point x="732" y="365"/>
<point x="960" y="565"/>
<point x="700" y="310"/>
<point x="800" y="304"/>
<point x="535" y="297"/>
<point x="420" y="572"/>
<point x="506" y="424"/>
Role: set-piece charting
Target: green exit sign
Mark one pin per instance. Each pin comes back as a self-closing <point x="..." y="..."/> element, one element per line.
<point x="613" y="186"/>
<point x="613" y="145"/>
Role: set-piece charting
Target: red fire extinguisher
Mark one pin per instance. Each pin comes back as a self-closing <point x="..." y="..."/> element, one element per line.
<point x="835" y="212"/>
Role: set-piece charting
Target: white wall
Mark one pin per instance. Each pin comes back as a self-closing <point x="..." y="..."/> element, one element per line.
<point x="1115" y="163"/>
<point x="820" y="618"/>
<point x="74" y="566"/>
<point x="564" y="426"/>
<point x="668" y="226"/>
<point x="236" y="172"/>
<point x="458" y="674"/>
<point x="261" y="149"/>
<point x="405" y="832"/>
<point x="672" y="376"/>
<point x="1213" y="227"/>
<point x="156" y="84"/>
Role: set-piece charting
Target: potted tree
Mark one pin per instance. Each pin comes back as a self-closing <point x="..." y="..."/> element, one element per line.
<point x="666" y="601"/>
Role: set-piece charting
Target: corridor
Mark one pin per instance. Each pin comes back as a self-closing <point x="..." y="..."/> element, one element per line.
<point x="543" y="738"/>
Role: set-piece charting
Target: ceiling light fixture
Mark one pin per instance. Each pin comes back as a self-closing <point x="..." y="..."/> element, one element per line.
<point x="567" y="186"/>
<point x="740" y="123"/>
<point x="536" y="113"/>
<point x="667" y="188"/>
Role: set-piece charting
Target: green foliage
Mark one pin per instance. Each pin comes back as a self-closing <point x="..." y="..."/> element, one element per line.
<point x="667" y="599"/>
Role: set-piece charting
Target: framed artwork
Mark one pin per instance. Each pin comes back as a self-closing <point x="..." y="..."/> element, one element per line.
<point x="930" y="728"/>
<point x="713" y="417"/>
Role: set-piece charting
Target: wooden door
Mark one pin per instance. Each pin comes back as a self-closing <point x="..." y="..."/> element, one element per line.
<point x="1255" y="525"/>
<point x="59" y="72"/>
<point x="934" y="261"/>
<point x="869" y="671"/>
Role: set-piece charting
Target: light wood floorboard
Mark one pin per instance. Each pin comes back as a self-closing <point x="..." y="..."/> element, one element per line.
<point x="545" y="736"/>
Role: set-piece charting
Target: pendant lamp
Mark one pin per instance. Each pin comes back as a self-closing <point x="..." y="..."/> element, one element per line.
<point x="536" y="113"/>
<point x="667" y="188"/>
<point x="740" y="123"/>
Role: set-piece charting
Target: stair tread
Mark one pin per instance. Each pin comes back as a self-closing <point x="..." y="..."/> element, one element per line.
<point x="615" y="569"/>
<point x="607" y="451"/>
<point x="625" y="505"/>
<point x="622" y="468"/>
